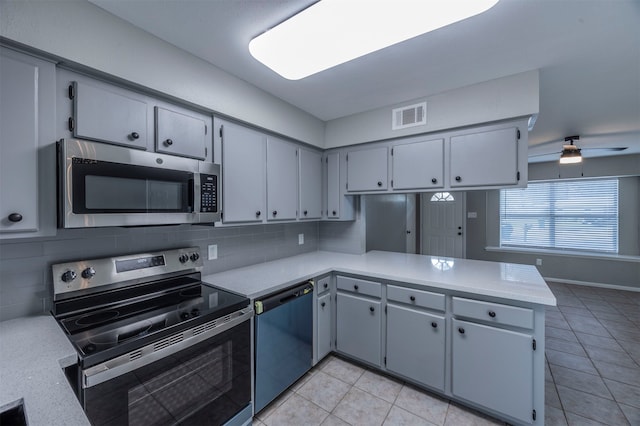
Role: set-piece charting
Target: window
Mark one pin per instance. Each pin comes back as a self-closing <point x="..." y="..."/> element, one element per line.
<point x="442" y="196"/>
<point x="574" y="215"/>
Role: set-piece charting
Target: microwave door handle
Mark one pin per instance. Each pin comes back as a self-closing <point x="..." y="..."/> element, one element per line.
<point x="192" y="203"/>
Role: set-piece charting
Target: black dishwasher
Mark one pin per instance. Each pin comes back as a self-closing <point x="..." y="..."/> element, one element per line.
<point x="283" y="341"/>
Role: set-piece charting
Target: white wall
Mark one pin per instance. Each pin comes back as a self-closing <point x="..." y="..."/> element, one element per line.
<point x="499" y="99"/>
<point x="82" y="33"/>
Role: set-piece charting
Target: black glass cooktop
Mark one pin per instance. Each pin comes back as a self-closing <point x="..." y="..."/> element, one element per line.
<point x="119" y="327"/>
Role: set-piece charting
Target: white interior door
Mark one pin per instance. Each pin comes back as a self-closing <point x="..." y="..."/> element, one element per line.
<point x="442" y="223"/>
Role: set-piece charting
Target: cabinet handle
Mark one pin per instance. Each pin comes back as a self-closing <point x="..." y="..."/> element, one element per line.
<point x="275" y="212"/>
<point x="372" y="309"/>
<point x="434" y="180"/>
<point x="458" y="178"/>
<point x="334" y="213"/>
<point x="15" y="217"/>
<point x="492" y="314"/>
<point x="379" y="183"/>
<point x="168" y="142"/>
<point x="326" y="285"/>
<point x="461" y="330"/>
<point x="305" y="212"/>
<point x="412" y="298"/>
<point x="134" y="135"/>
<point x="322" y="304"/>
<point x="434" y="324"/>
<point x="258" y="213"/>
<point x="355" y="287"/>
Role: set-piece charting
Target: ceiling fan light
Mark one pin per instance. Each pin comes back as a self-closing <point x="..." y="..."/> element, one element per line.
<point x="570" y="155"/>
<point x="332" y="32"/>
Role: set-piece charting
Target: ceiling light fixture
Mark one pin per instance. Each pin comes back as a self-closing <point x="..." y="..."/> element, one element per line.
<point x="331" y="32"/>
<point x="570" y="153"/>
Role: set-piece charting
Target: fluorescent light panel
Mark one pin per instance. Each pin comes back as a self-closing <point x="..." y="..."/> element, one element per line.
<point x="332" y="32"/>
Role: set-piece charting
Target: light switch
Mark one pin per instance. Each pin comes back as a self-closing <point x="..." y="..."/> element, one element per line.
<point x="300" y="239"/>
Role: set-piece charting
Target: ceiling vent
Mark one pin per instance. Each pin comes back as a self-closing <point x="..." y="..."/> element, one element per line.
<point x="409" y="116"/>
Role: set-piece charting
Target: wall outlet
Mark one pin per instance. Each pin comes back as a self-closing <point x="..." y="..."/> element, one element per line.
<point x="213" y="251"/>
<point x="538" y="262"/>
<point x="300" y="239"/>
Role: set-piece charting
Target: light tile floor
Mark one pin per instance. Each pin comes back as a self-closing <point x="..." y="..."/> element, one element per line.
<point x="592" y="376"/>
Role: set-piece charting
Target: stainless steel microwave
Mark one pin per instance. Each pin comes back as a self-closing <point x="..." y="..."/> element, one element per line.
<point x="106" y="185"/>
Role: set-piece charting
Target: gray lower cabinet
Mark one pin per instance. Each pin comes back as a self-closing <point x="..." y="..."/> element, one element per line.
<point x="416" y="345"/>
<point x="359" y="330"/>
<point x="493" y="367"/>
<point x="323" y="330"/>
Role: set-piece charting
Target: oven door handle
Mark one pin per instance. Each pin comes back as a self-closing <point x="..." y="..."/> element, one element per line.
<point x="130" y="361"/>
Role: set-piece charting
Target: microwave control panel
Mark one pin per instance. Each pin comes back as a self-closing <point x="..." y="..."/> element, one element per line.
<point x="208" y="193"/>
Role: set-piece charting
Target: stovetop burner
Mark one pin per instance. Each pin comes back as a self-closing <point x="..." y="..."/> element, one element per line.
<point x="114" y="319"/>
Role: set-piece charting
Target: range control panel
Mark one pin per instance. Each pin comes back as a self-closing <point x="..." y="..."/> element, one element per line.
<point x="88" y="274"/>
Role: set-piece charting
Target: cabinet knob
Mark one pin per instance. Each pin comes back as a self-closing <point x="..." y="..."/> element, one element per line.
<point x="434" y="180"/>
<point x="412" y="298"/>
<point x="379" y="183"/>
<point x="458" y="178"/>
<point x="434" y="324"/>
<point x="372" y="309"/>
<point x="459" y="233"/>
<point x="334" y="212"/>
<point x="275" y="212"/>
<point x="305" y="212"/>
<point x="492" y="314"/>
<point x="15" y="217"/>
<point x="322" y="304"/>
<point x="355" y="287"/>
<point x="326" y="285"/>
<point x="168" y="142"/>
<point x="134" y="135"/>
<point x="258" y="213"/>
<point x="460" y="330"/>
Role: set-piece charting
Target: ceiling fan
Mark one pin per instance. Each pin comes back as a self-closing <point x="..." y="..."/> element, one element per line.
<point x="571" y="154"/>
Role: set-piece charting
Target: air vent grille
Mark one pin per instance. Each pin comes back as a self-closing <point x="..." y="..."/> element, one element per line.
<point x="169" y="341"/>
<point x="409" y="116"/>
<point x="135" y="355"/>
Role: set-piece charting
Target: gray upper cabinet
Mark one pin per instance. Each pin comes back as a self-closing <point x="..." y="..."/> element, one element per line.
<point x="310" y="187"/>
<point x="27" y="126"/>
<point x="282" y="179"/>
<point x="485" y="158"/>
<point x="179" y="133"/>
<point x="109" y="114"/>
<point x="243" y="174"/>
<point x="333" y="185"/>
<point x="367" y="169"/>
<point x="418" y="165"/>
<point x="494" y="368"/>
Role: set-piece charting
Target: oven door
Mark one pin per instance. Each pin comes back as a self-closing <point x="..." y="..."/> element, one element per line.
<point x="208" y="382"/>
<point x="104" y="185"/>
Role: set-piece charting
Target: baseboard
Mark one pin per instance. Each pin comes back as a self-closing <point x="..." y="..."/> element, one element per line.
<point x="590" y="284"/>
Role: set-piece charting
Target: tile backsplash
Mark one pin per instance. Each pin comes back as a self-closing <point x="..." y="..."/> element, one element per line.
<point x="25" y="265"/>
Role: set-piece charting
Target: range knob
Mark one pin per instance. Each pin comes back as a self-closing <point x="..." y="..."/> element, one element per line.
<point x="69" y="276"/>
<point x="194" y="257"/>
<point x="183" y="258"/>
<point x="88" y="273"/>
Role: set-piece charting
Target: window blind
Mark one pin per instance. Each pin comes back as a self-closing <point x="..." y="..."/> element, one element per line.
<point x="567" y="215"/>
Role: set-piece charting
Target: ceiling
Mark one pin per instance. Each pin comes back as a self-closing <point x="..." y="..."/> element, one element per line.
<point x="587" y="51"/>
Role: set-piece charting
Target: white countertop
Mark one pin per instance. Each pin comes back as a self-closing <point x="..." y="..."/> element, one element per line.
<point x="514" y="282"/>
<point x="33" y="351"/>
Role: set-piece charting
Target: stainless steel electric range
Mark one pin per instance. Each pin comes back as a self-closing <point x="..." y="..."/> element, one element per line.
<point x="156" y="345"/>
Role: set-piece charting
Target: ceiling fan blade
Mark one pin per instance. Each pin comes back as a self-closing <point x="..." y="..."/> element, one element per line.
<point x="545" y="154"/>
<point x="615" y="149"/>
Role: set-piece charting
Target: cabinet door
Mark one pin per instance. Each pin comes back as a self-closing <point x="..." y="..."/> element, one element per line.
<point x="18" y="145"/>
<point x="494" y="368"/>
<point x="310" y="174"/>
<point x="109" y="116"/>
<point x="418" y="165"/>
<point x="282" y="180"/>
<point x="323" y="332"/>
<point x="367" y="170"/>
<point x="415" y="345"/>
<point x="243" y="174"/>
<point x="359" y="327"/>
<point x="333" y="185"/>
<point x="180" y="134"/>
<point x="483" y="159"/>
